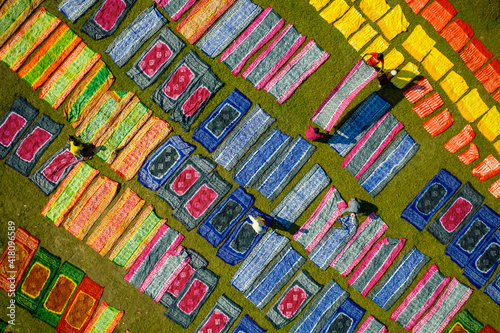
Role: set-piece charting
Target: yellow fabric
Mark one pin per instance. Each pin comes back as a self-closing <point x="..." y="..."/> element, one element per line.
<point x="75" y="149"/>
<point x="393" y="23"/>
<point x="393" y="59"/>
<point x="454" y="85"/>
<point x="471" y="106"/>
<point x="334" y="11"/>
<point x="363" y="36"/>
<point x="497" y="146"/>
<point x="436" y="64"/>
<point x="350" y="22"/>
<point x="489" y="125"/>
<point x="374" y="9"/>
<point x="405" y="75"/>
<point x="379" y="45"/>
<point x="418" y="44"/>
<point x="318" y="4"/>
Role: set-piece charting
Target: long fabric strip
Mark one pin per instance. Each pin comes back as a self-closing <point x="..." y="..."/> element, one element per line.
<point x="220" y="317"/>
<point x="73" y="9"/>
<point x="13" y="14"/>
<point x="106" y="18"/>
<point x="345" y="319"/>
<point x="372" y="325"/>
<point x="105" y="319"/>
<point x="484" y="261"/>
<point x="175" y="8"/>
<point x="493" y="289"/>
<point x="248" y="325"/>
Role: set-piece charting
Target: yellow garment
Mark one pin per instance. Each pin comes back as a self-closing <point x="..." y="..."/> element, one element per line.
<point x="374" y="9"/>
<point x="334" y="11"/>
<point x="418" y="44"/>
<point x="497" y="146"/>
<point x="489" y="125"/>
<point x="363" y="36"/>
<point x="471" y="106"/>
<point x="379" y="45"/>
<point x="436" y="64"/>
<point x="75" y="149"/>
<point x="405" y="75"/>
<point x="393" y="59"/>
<point x="350" y="22"/>
<point x="393" y="23"/>
<point x="454" y="85"/>
<point x="318" y="4"/>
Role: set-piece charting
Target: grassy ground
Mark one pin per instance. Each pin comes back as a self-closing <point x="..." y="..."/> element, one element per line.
<point x="21" y="201"/>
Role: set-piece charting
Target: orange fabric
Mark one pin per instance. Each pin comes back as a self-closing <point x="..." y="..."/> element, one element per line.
<point x="439" y="14"/>
<point x="475" y="55"/>
<point x="495" y="190"/>
<point x="439" y="123"/>
<point x="460" y="140"/>
<point x="418" y="90"/>
<point x="489" y="76"/>
<point x="417" y="5"/>
<point x="428" y="105"/>
<point x="496" y="96"/>
<point x="457" y="34"/>
<point x="488" y="168"/>
<point x="470" y="155"/>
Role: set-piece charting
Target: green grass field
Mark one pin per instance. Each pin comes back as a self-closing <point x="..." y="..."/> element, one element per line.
<point x="22" y="202"/>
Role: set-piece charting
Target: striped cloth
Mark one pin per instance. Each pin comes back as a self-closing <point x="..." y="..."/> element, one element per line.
<point x="106" y="18"/>
<point x="13" y="14"/>
<point x="457" y="34"/>
<point x="475" y="55"/>
<point x="175" y="8"/>
<point x="460" y="140"/>
<point x="439" y="14"/>
<point x="105" y="319"/>
<point x="418" y="90"/>
<point x="345" y="319"/>
<point x="489" y="76"/>
<point x="220" y="317"/>
<point x="439" y="123"/>
<point x="464" y="320"/>
<point x="483" y="262"/>
<point x="73" y="9"/>
<point x="416" y="5"/>
<point x="428" y="105"/>
<point x="372" y="325"/>
<point x="472" y="106"/>
<point x="469" y="155"/>
<point x="488" y="168"/>
<point x="495" y="189"/>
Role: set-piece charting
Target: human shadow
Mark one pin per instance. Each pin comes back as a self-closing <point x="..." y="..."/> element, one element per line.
<point x="291" y="230"/>
<point x="367" y="207"/>
<point x="392" y="94"/>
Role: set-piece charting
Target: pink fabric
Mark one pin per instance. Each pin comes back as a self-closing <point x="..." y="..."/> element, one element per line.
<point x="55" y="169"/>
<point x="195" y="100"/>
<point x="456" y="214"/>
<point x="292" y="301"/>
<point x="215" y="323"/>
<point x="155" y="58"/>
<point x="185" y="180"/>
<point x="311" y="135"/>
<point x="193" y="296"/>
<point x="200" y="201"/>
<point x="366" y="323"/>
<point x="12" y="125"/>
<point x="181" y="280"/>
<point x="106" y="17"/>
<point x="178" y="82"/>
<point x="172" y="277"/>
<point x="32" y="144"/>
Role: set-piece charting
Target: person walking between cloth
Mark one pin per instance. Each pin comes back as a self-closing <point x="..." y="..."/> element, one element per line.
<point x="352" y="207"/>
<point x="257" y="223"/>
<point x="76" y="147"/>
<point x="385" y="77"/>
<point x="313" y="133"/>
<point x="375" y="59"/>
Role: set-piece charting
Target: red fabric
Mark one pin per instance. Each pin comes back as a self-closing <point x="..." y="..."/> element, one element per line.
<point x="457" y="34"/>
<point x="185" y="180"/>
<point x="32" y="143"/>
<point x="373" y="60"/>
<point x="292" y="301"/>
<point x="417" y="5"/>
<point x="55" y="169"/>
<point x="193" y="296"/>
<point x="439" y="14"/>
<point x="439" y="123"/>
<point x="180" y="280"/>
<point x="311" y="135"/>
<point x="456" y="214"/>
<point x="475" y="55"/>
<point x="463" y="138"/>
<point x="495" y="190"/>
<point x="488" y="329"/>
<point x="418" y="90"/>
<point x="109" y="13"/>
<point x="195" y="100"/>
<point x="10" y="128"/>
<point x="489" y="76"/>
<point x="496" y="96"/>
<point x="428" y="105"/>
<point x="215" y="323"/>
<point x="200" y="201"/>
<point x="486" y="169"/>
<point x="470" y="155"/>
<point x="155" y="58"/>
<point x="178" y="82"/>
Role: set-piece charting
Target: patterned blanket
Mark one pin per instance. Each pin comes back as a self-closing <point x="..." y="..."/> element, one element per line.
<point x="73" y="9"/>
<point x="220" y="317"/>
<point x="105" y="319"/>
<point x="345" y="319"/>
<point x="484" y="261"/>
<point x="13" y="14"/>
<point x="106" y="18"/>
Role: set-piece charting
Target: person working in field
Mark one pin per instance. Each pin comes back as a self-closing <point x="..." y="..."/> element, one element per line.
<point x="77" y="147"/>
<point x="376" y="59"/>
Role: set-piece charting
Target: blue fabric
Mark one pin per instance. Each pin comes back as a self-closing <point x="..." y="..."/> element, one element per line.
<point x="493" y="289"/>
<point x="238" y="199"/>
<point x="432" y="197"/>
<point x="73" y="9"/>
<point x="248" y="325"/>
<point x="174" y="142"/>
<point x="349" y="310"/>
<point x="355" y="127"/>
<point x="208" y="133"/>
<point x="482" y="265"/>
<point x="478" y="230"/>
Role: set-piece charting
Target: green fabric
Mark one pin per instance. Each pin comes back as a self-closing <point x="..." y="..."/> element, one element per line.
<point x="74" y="274"/>
<point x="105" y="320"/>
<point x="12" y="14"/>
<point x="122" y="130"/>
<point x="101" y="116"/>
<point x="121" y="93"/>
<point x="464" y="318"/>
<point x="49" y="261"/>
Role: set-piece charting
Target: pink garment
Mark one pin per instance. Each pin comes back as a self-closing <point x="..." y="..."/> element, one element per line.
<point x="311" y="135"/>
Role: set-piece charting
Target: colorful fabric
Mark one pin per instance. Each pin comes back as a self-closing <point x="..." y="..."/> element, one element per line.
<point x="155" y="59"/>
<point x="362" y="36"/>
<point x="489" y="76"/>
<point x="393" y="23"/>
<point x="488" y="329"/>
<point x="436" y="64"/>
<point x="334" y="11"/>
<point x="318" y="4"/>
<point x="464" y="321"/>
<point x="493" y="289"/>
<point x="13" y="14"/>
<point x="248" y="325"/>
<point x="457" y="34"/>
<point x="345" y="319"/>
<point x="374" y="9"/>
<point x="225" y="216"/>
<point x="349" y="22"/>
<point x="393" y="59"/>
<point x="332" y="108"/>
<point x="418" y="44"/>
<point x="256" y="35"/>
<point x="439" y="123"/>
<point x="73" y="9"/>
<point x="428" y="105"/>
<point x="105" y="319"/>
<point x="495" y="189"/>
<point x="214" y="129"/>
<point x="469" y="155"/>
<point x="472" y="106"/>
<point x="291" y="76"/>
<point x="439" y="14"/>
<point x="372" y="325"/>
<point x="489" y="125"/>
<point x="488" y="168"/>
<point x="242" y="138"/>
<point x="175" y="8"/>
<point x="416" y="5"/>
<point x="475" y="55"/>
<point x="144" y="142"/>
<point x="106" y="18"/>
<point x="406" y="75"/>
<point x="220" y="317"/>
<point x="454" y="85"/>
<point x="460" y="140"/>
<point x="379" y="45"/>
<point x="228" y="27"/>
<point x="115" y="222"/>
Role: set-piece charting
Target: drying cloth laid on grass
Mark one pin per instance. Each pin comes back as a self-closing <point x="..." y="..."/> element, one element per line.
<point x="220" y="317"/>
<point x="175" y="8"/>
<point x="155" y="59"/>
<point x="189" y="175"/>
<point x="51" y="173"/>
<point x="372" y="228"/>
<point x="439" y="123"/>
<point x="124" y="128"/>
<point x="455" y="214"/>
<point x="214" y="128"/>
<point x="454" y="85"/>
<point x="350" y="22"/>
<point x="13" y="14"/>
<point x="495" y="189"/>
<point x="489" y="76"/>
<point x="460" y="140"/>
<point x="68" y="192"/>
<point x="130" y="40"/>
<point x="428" y="105"/>
<point x="276" y="275"/>
<point x="488" y="329"/>
<point x="374" y="9"/>
<point x="13" y="124"/>
<point x="473" y="235"/>
<point x="201" y="18"/>
<point x="389" y="163"/>
<point x="472" y="106"/>
<point x="293" y="300"/>
<point x="475" y="55"/>
<point x="418" y="90"/>
<point x="164" y="161"/>
<point x="115" y="222"/>
<point x="244" y="136"/>
<point x="371" y="145"/>
<point x="224" y="217"/>
<point x="130" y="246"/>
<point x="73" y="9"/>
<point x="31" y="146"/>
<point x="274" y="56"/>
<point x="379" y="45"/>
<point x="334" y="11"/>
<point x="483" y="262"/>
<point x="256" y="35"/>
<point x="362" y="36"/>
<point x="105" y="319"/>
<point x="399" y="278"/>
<point x="446" y="307"/>
<point x="358" y="123"/>
<point x="418" y="44"/>
<point x="406" y="75"/>
<point x="439" y="14"/>
<point x="242" y="239"/>
<point x="375" y="264"/>
<point x="58" y="294"/>
<point x="81" y="307"/>
<point x="106" y="18"/>
<point x="372" y="325"/>
<point x="464" y="321"/>
<point x="436" y="64"/>
<point x="457" y="34"/>
<point x="469" y="155"/>
<point x="260" y="158"/>
<point x="137" y="150"/>
<point x="49" y="56"/>
<point x="493" y="289"/>
<point x="431" y="198"/>
<point x="296" y="71"/>
<point x="393" y="59"/>
<point x="331" y="109"/>
<point x="345" y="319"/>
<point x="90" y="207"/>
<point x="248" y="325"/>
<point x="229" y="26"/>
<point x="393" y="23"/>
<point x="322" y="308"/>
<point x="300" y="196"/>
<point x="33" y="32"/>
<point x="416" y="5"/>
<point x="420" y="298"/>
<point x="318" y="4"/>
<point x="284" y="168"/>
<point x="262" y="254"/>
<point x="35" y="282"/>
<point x="25" y="246"/>
<point x="489" y="125"/>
